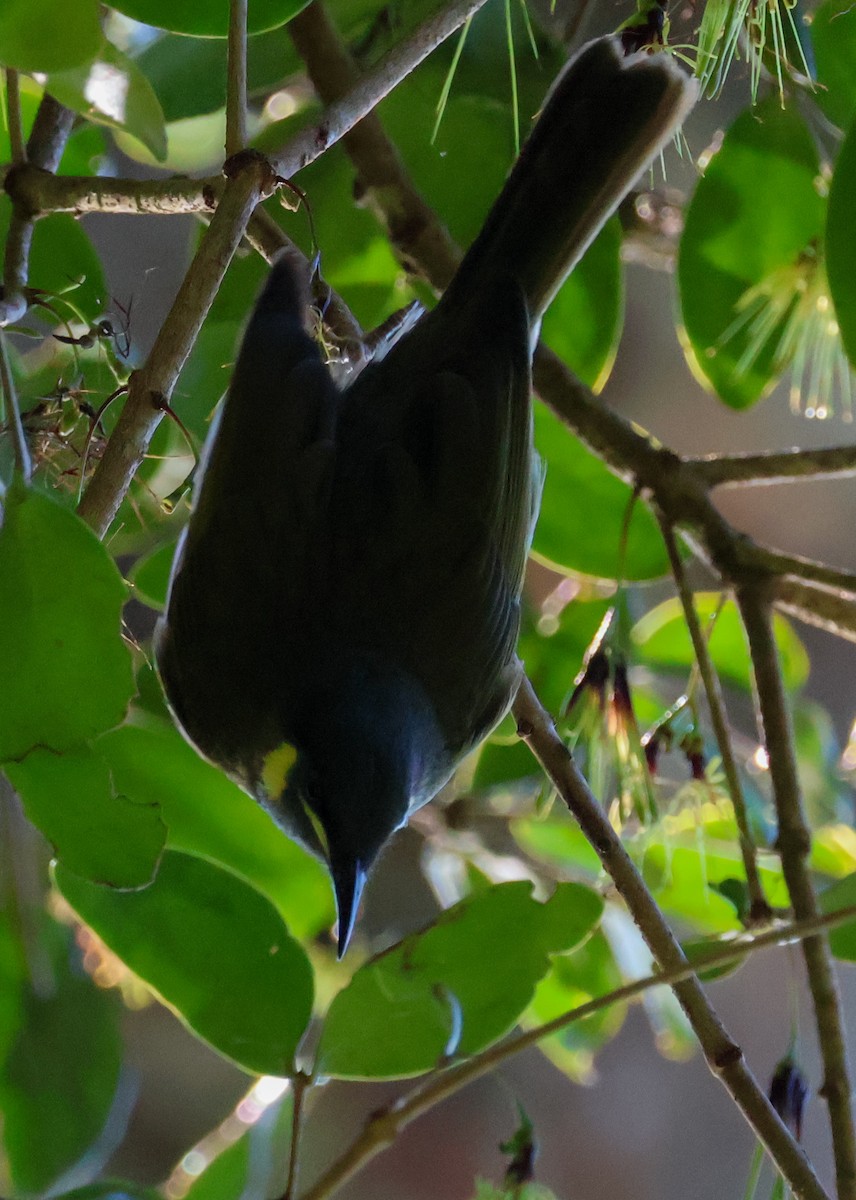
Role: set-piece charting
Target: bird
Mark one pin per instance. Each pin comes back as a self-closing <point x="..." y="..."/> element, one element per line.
<point x="344" y="604"/>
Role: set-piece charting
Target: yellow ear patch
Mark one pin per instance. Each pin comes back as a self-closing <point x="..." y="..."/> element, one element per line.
<point x="275" y="768"/>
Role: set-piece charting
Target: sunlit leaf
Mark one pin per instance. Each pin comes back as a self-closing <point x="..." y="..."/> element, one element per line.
<point x="663" y="642"/>
<point x="841" y="894"/>
<point x="195" y="915"/>
<point x="111" y="90"/>
<point x="447" y="989"/>
<point x="841" y="244"/>
<point x="833" y="36"/>
<point x="573" y="980"/>
<point x="745" y="253"/>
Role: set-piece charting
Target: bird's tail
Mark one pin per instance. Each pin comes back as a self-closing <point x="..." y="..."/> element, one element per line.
<point x="605" y="119"/>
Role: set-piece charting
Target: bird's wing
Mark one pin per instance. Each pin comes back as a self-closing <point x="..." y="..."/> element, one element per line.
<point x="255" y="514"/>
<point x="432" y="507"/>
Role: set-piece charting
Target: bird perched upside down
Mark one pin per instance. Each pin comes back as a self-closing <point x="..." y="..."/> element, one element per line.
<point x="344" y="605"/>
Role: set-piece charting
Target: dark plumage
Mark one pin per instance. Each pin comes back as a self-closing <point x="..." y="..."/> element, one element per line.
<point x="344" y="607"/>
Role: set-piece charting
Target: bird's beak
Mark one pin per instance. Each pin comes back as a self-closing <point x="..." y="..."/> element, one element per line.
<point x="349" y="879"/>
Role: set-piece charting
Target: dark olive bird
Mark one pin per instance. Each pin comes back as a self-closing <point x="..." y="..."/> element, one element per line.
<point x="344" y="605"/>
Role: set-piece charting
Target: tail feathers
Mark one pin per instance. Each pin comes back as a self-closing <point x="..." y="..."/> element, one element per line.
<point x="605" y="119"/>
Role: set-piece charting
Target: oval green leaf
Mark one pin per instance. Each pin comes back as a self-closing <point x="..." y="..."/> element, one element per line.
<point x="207" y="20"/>
<point x="215" y="950"/>
<point x="98" y="834"/>
<point x="833" y="36"/>
<point x="842" y="894"/>
<point x="756" y="210"/>
<point x="841" y="244"/>
<point x="111" y="90"/>
<point x="663" y="642"/>
<point x="448" y="990"/>
<point x="65" y="670"/>
<point x="48" y="35"/>
<point x="584" y="509"/>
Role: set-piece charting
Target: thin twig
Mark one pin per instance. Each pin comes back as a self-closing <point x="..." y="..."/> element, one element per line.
<point x="151" y="387"/>
<point x="776" y="562"/>
<point x="723" y="1055"/>
<point x="780" y="466"/>
<point x="300" y="1084"/>
<point x="236" y="78"/>
<point x="794" y="845"/>
<point x="385" y="1126"/>
<point x="759" y="909"/>
<point x="336" y="120"/>
<point x="23" y="460"/>
<point x="13" y="111"/>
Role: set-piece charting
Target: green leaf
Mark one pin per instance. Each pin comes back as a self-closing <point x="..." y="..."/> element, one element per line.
<point x="841" y="894"/>
<point x="833" y="36"/>
<point x="189" y="74"/>
<point x="48" y="35"/>
<point x="254" y="1164"/>
<point x="208" y="815"/>
<point x="66" y="670"/>
<point x="111" y="90"/>
<point x="192" y="145"/>
<point x="698" y="949"/>
<point x="98" y="834"/>
<point x="62" y="1069"/>
<point x="663" y="642"/>
<point x="755" y="212"/>
<point x="577" y="485"/>
<point x="840" y="243"/>
<point x="449" y="990"/>
<point x="150" y="576"/>
<point x="583" y="324"/>
<point x="198" y="925"/>
<point x="63" y="261"/>
<point x="207" y="20"/>
<point x="111" y="1189"/>
<point x="573" y="980"/>
<point x="682" y="872"/>
<point x="557" y="839"/>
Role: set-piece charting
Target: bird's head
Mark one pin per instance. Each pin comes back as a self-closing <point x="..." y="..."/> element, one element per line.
<point x="360" y="757"/>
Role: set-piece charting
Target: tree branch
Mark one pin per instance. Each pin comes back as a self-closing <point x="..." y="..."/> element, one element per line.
<point x="152" y="385"/>
<point x="384" y="1127"/>
<point x="417" y="237"/>
<point x="13" y="111"/>
<point x="780" y="466"/>
<point x="44" y="150"/>
<point x="759" y="909"/>
<point x="236" y="80"/>
<point x="338" y="118"/>
<point x="794" y="845"/>
<point x="724" y="1056"/>
<point x="832" y="611"/>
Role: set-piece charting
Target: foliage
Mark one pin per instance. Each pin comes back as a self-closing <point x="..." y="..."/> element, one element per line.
<point x="168" y="862"/>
